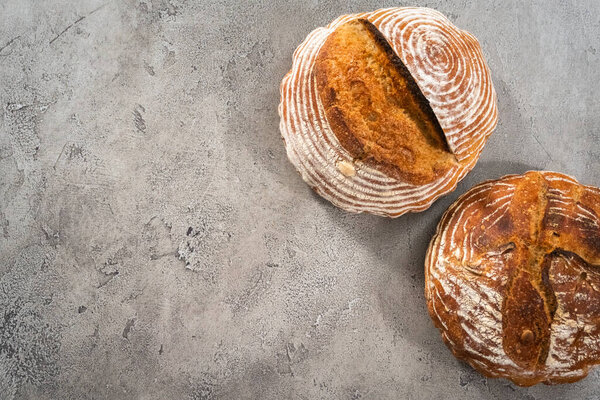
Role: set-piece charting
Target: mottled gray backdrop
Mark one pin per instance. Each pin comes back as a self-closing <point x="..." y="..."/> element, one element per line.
<point x="155" y="243"/>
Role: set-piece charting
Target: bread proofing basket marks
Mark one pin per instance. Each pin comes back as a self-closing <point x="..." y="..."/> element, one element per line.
<point x="449" y="68"/>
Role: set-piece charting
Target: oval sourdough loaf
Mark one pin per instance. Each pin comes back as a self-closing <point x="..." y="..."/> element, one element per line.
<point x="512" y="278"/>
<point x="384" y="112"/>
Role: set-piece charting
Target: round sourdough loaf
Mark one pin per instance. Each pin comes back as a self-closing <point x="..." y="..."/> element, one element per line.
<point x="512" y="278"/>
<point x="384" y="112"/>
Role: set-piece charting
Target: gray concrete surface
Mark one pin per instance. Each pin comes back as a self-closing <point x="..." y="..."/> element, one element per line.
<point x="157" y="244"/>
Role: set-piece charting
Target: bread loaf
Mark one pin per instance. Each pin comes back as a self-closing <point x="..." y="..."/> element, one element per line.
<point x="384" y="112"/>
<point x="512" y="278"/>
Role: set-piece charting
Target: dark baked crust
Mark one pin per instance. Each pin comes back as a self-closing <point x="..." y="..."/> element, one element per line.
<point x="513" y="278"/>
<point x="448" y="66"/>
<point x="376" y="109"/>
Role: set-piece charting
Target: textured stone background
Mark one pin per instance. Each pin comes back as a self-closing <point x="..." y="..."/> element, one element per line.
<point x="157" y="244"/>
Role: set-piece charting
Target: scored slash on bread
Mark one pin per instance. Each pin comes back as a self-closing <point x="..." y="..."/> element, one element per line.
<point x="513" y="278"/>
<point x="375" y="108"/>
<point x="400" y="98"/>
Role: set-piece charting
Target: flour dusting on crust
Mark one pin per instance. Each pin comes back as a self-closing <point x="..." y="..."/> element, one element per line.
<point x="450" y="70"/>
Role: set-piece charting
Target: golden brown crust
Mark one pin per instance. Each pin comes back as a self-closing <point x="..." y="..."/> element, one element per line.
<point x="513" y="278"/>
<point x="449" y="68"/>
<point x="376" y="109"/>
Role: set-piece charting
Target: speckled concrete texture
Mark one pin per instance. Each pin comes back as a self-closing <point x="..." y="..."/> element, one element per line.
<point x="155" y="243"/>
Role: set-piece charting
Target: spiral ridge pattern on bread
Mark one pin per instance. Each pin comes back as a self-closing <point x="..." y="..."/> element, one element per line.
<point x="448" y="67"/>
<point x="513" y="278"/>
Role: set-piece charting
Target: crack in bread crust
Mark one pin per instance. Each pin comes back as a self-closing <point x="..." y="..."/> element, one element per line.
<point x="448" y="66"/>
<point x="540" y="321"/>
<point x="376" y="109"/>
